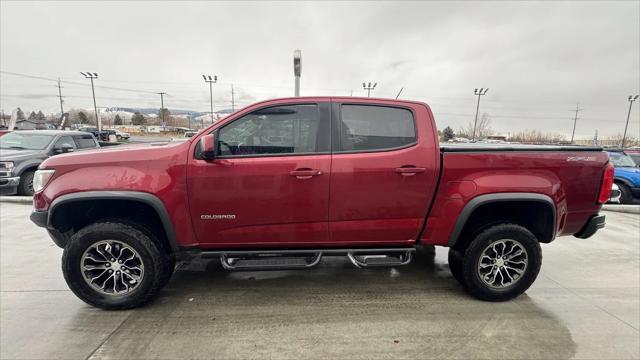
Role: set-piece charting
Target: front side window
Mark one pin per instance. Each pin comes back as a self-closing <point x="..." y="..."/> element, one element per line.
<point x="287" y="129"/>
<point x="621" y="160"/>
<point x="64" y="141"/>
<point x="372" y="128"/>
<point x="84" y="141"/>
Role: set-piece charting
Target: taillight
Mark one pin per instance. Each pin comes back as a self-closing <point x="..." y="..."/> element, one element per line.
<point x="607" y="182"/>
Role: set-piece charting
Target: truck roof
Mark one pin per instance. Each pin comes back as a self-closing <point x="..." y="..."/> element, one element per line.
<point x="52" y="132"/>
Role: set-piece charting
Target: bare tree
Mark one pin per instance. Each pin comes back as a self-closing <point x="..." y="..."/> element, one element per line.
<point x="483" y="128"/>
<point x="536" y="137"/>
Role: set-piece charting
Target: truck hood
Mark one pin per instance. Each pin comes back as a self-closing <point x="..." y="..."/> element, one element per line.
<point x="15" y="154"/>
<point x="120" y="154"/>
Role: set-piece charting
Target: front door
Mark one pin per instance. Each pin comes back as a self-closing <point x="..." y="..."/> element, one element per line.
<point x="383" y="173"/>
<point x="269" y="183"/>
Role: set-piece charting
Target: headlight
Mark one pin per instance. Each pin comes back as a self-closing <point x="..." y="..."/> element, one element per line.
<point x="6" y="165"/>
<point x="41" y="178"/>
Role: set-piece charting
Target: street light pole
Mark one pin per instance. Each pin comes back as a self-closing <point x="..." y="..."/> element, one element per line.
<point x="631" y="100"/>
<point x="478" y="92"/>
<point x="369" y="87"/>
<point x="297" y="70"/>
<point x="211" y="81"/>
<point x="90" y="75"/>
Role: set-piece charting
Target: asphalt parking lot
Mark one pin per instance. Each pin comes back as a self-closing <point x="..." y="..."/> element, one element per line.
<point x="585" y="304"/>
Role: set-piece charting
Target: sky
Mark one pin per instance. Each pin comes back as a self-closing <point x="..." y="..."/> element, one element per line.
<point x="538" y="59"/>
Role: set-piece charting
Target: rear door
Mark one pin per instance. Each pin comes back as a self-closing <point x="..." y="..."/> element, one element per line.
<point x="383" y="172"/>
<point x="269" y="184"/>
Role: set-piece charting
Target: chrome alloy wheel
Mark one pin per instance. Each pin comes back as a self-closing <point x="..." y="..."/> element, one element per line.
<point x="502" y="263"/>
<point x="111" y="267"/>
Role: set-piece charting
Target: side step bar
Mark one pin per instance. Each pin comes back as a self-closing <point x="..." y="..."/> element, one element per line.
<point x="308" y="258"/>
<point x="269" y="262"/>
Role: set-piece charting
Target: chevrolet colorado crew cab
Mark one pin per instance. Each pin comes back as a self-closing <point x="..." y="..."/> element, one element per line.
<point x="284" y="182"/>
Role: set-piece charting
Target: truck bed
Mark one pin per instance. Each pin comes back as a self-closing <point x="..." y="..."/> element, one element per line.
<point x="481" y="147"/>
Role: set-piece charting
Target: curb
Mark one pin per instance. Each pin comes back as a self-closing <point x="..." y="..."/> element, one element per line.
<point x="16" y="199"/>
<point x="629" y="209"/>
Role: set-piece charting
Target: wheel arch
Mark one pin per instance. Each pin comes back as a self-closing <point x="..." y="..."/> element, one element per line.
<point x="133" y="205"/>
<point x="487" y="210"/>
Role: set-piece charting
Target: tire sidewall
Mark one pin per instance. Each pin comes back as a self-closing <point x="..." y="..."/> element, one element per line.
<point x="87" y="237"/>
<point x="26" y="183"/>
<point x="625" y="194"/>
<point x="506" y="231"/>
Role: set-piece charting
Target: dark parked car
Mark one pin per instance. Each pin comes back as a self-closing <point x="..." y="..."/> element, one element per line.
<point x="22" y="151"/>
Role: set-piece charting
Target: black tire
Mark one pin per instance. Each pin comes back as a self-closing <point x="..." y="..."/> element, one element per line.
<point x="170" y="259"/>
<point x="151" y="256"/>
<point x="455" y="264"/>
<point x="626" y="197"/>
<point x="516" y="233"/>
<point x="26" y="183"/>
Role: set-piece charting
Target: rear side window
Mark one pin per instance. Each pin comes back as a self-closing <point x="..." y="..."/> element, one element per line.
<point x="84" y="141"/>
<point x="373" y="128"/>
<point x="276" y="130"/>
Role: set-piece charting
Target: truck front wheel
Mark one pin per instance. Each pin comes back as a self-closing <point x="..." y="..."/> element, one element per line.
<point x="501" y="262"/>
<point x="113" y="266"/>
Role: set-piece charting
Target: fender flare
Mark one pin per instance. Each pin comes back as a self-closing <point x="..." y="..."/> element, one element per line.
<point x="138" y="196"/>
<point x="478" y="201"/>
<point x="624" y="181"/>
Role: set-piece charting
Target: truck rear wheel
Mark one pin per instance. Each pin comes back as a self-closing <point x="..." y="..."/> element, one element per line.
<point x="113" y="266"/>
<point x="501" y="262"/>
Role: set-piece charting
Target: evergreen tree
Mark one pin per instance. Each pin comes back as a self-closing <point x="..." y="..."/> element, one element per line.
<point x="40" y="116"/>
<point x="83" y="117"/>
<point x="448" y="134"/>
<point x="138" y="119"/>
<point x="32" y="116"/>
<point x="117" y="120"/>
<point x="20" y="115"/>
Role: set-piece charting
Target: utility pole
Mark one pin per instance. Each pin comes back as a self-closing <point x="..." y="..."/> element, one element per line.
<point x="90" y="75"/>
<point x="297" y="70"/>
<point x="575" y="121"/>
<point x="478" y="92"/>
<point x="631" y="100"/>
<point x="162" y="94"/>
<point x="369" y="87"/>
<point x="211" y="81"/>
<point x="233" y="101"/>
<point x="60" y="96"/>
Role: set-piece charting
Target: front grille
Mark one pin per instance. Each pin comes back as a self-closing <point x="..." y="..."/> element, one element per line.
<point x="4" y="174"/>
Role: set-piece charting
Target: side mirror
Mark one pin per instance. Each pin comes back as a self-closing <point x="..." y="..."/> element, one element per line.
<point x="208" y="147"/>
<point x="63" y="149"/>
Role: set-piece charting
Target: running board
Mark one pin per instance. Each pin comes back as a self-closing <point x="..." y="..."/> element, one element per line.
<point x="308" y="258"/>
<point x="269" y="261"/>
<point x="378" y="260"/>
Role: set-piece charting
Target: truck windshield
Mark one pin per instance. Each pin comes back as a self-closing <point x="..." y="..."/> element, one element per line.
<point x="16" y="140"/>
<point x="618" y="159"/>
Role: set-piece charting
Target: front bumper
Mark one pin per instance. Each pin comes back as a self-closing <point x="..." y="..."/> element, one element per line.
<point x="41" y="218"/>
<point x="9" y="185"/>
<point x="594" y="224"/>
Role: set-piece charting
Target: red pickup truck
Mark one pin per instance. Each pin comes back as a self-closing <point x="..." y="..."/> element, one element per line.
<point x="284" y="182"/>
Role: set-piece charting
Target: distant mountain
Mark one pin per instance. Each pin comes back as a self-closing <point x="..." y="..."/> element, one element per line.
<point x="155" y="111"/>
